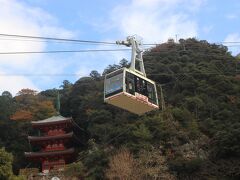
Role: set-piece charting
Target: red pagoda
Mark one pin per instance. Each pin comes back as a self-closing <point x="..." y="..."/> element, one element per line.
<point x="54" y="142"/>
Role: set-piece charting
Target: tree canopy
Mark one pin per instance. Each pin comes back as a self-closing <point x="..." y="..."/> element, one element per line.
<point x="196" y="136"/>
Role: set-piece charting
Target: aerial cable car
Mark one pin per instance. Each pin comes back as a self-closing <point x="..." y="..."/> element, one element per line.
<point x="129" y="88"/>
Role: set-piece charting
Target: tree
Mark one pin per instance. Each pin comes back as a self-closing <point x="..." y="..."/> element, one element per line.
<point x="226" y="142"/>
<point x="27" y="92"/>
<point x="95" y="160"/>
<point x="44" y="109"/>
<point x="122" y="166"/>
<point x="124" y="63"/>
<point x="6" y="106"/>
<point x="6" y="160"/>
<point x="185" y="168"/>
<point x="26" y="98"/>
<point x="32" y="106"/>
<point x="95" y="75"/>
<point x="7" y="94"/>
<point x="66" y="84"/>
<point x="153" y="165"/>
<point x="111" y="68"/>
<point x="142" y="137"/>
<point x="22" y="115"/>
<point x="75" y="169"/>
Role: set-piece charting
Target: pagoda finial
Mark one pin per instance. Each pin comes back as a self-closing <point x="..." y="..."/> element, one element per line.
<point x="58" y="106"/>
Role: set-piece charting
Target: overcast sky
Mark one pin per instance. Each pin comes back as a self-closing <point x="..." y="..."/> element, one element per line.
<point x="100" y="20"/>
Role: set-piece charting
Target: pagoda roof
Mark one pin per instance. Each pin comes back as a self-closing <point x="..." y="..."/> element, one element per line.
<point x="52" y="120"/>
<point x="47" y="138"/>
<point x="49" y="153"/>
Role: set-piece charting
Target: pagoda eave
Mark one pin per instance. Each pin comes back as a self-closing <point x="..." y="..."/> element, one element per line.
<point x="37" y="125"/>
<point x="37" y="139"/>
<point x="49" y="154"/>
<point x="55" y="120"/>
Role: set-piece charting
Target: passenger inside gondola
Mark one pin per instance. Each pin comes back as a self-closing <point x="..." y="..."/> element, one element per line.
<point x="130" y="85"/>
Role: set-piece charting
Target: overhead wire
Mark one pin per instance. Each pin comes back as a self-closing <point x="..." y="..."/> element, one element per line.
<point x="147" y="51"/>
<point x="62" y="51"/>
<point x="89" y="41"/>
<point x="150" y="74"/>
<point x="95" y="50"/>
<point x="117" y="136"/>
<point x="76" y="125"/>
<point x="55" y="39"/>
<point x="39" y="38"/>
<point x="49" y="41"/>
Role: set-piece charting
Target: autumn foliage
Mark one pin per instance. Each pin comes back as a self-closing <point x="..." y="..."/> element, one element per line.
<point x="32" y="106"/>
<point x="22" y="115"/>
<point x="122" y="166"/>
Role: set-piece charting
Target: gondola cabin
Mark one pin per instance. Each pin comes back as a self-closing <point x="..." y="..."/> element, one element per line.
<point x="131" y="91"/>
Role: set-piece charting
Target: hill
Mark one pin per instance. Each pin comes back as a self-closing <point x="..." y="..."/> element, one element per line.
<point x="195" y="137"/>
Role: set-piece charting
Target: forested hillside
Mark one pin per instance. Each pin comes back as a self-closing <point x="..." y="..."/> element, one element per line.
<point x="195" y="135"/>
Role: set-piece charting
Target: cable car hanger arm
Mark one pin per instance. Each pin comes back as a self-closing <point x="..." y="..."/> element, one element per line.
<point x="136" y="54"/>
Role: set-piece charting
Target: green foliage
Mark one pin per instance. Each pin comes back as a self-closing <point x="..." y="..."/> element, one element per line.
<point x="6" y="106"/>
<point x="7" y="94"/>
<point x="142" y="133"/>
<point x="226" y="142"/>
<point x="152" y="164"/>
<point x="32" y="106"/>
<point x="182" y="115"/>
<point x="95" y="75"/>
<point x="75" y="169"/>
<point x="183" y="166"/>
<point x="6" y="160"/>
<point x="17" y="178"/>
<point x="95" y="160"/>
<point x="124" y="63"/>
<point x="111" y="68"/>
